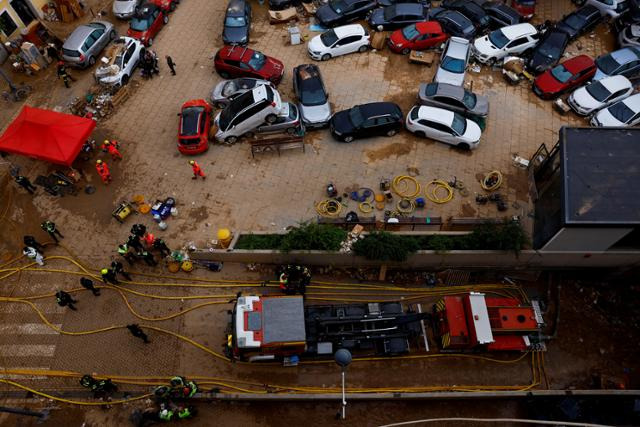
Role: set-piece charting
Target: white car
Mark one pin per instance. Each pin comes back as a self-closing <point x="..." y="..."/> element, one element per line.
<point x="511" y="40"/>
<point x="453" y="62"/>
<point x="339" y="41"/>
<point x="613" y="8"/>
<point x="599" y="94"/>
<point x="121" y="59"/>
<point x="444" y="126"/>
<point x="248" y="111"/>
<point x="621" y="114"/>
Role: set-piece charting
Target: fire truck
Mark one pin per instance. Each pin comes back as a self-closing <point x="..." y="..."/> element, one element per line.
<point x="264" y="328"/>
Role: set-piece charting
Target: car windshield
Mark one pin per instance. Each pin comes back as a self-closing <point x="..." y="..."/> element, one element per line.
<point x="311" y="92"/>
<point x="257" y="60"/>
<point x="414" y="113"/>
<point x="621" y="112"/>
<point x="355" y="117"/>
<point x="498" y="39"/>
<point x="389" y="13"/>
<point x="338" y="6"/>
<point x="561" y="74"/>
<point x="233" y="109"/>
<point x="598" y="91"/>
<point x="293" y="112"/>
<point x="459" y="124"/>
<point x="328" y="38"/>
<point x="574" y="22"/>
<point x="410" y="32"/>
<point x="140" y="24"/>
<point x="607" y="64"/>
<point x="234" y="21"/>
<point x="453" y="65"/>
<point x="118" y="61"/>
<point x="469" y="99"/>
<point x="550" y="50"/>
<point x="190" y="120"/>
<point x="69" y="52"/>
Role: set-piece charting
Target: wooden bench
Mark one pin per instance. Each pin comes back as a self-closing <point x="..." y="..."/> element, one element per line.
<point x="468" y="224"/>
<point x="277" y="143"/>
<point x="369" y="223"/>
<point x="413" y="222"/>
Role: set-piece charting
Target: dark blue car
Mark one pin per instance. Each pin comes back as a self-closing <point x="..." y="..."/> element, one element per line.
<point x="237" y="23"/>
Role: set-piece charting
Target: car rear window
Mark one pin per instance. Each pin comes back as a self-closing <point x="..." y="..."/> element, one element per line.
<point x="453" y="65"/>
<point x="68" y="52"/>
<point x="621" y="112"/>
<point x="607" y="64"/>
<point x="498" y="39"/>
<point x="598" y="91"/>
<point x="561" y="74"/>
<point x="190" y="120"/>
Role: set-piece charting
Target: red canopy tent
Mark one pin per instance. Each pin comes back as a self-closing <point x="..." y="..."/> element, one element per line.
<point x="47" y="135"/>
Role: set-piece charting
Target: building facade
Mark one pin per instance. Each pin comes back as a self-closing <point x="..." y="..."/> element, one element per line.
<point x="19" y="15"/>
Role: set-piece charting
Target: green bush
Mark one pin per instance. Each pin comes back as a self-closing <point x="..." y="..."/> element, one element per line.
<point x="259" y="241"/>
<point x="384" y="246"/>
<point x="311" y="236"/>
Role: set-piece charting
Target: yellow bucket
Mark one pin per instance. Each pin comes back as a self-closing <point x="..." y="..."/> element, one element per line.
<point x="144" y="208"/>
<point x="224" y="238"/>
<point x="173" y="266"/>
<point x="380" y="198"/>
<point x="187" y="266"/>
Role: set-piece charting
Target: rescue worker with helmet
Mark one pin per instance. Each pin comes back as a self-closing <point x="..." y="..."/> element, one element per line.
<point x="112" y="148"/>
<point x="103" y="171"/>
<point x="197" y="170"/>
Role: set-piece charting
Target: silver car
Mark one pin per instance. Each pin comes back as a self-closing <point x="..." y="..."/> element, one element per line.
<point x="453" y="62"/>
<point x="226" y="90"/>
<point x="86" y="42"/>
<point x="453" y="98"/>
<point x="288" y="121"/>
<point x="125" y="9"/>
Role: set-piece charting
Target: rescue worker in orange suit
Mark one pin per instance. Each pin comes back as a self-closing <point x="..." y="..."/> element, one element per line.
<point x="103" y="171"/>
<point x="112" y="148"/>
<point x="197" y="171"/>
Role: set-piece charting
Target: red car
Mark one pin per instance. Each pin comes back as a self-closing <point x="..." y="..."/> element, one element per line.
<point x="420" y="36"/>
<point x="166" y="5"/>
<point x="563" y="77"/>
<point x="147" y="23"/>
<point x="237" y="61"/>
<point x="195" y="123"/>
<point x="526" y="8"/>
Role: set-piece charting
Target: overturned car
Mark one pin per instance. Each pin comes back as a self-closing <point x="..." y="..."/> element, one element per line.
<point x="120" y="60"/>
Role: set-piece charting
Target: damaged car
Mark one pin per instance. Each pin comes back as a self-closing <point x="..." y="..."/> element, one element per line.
<point x="120" y="61"/>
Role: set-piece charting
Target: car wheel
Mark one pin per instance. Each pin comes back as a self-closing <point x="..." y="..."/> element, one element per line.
<point x="112" y="35"/>
<point x="224" y="74"/>
<point x="391" y="132"/>
<point x="420" y="134"/>
<point x="362" y="49"/>
<point x="271" y="119"/>
<point x="124" y="80"/>
<point x="291" y="131"/>
<point x="406" y="51"/>
<point x="348" y="138"/>
<point x="149" y="42"/>
<point x="380" y="28"/>
<point x="92" y="60"/>
<point x="249" y="135"/>
<point x="220" y="105"/>
<point x="464" y="146"/>
<point x="230" y="140"/>
<point x="165" y="19"/>
<point x="326" y="57"/>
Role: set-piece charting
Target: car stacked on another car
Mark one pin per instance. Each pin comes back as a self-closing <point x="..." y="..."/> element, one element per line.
<point x="630" y="36"/>
<point x="625" y="61"/>
<point x="599" y="94"/>
<point x="474" y="12"/>
<point x="237" y="23"/>
<point x="623" y="113"/>
<point x="340" y="12"/>
<point x="444" y="126"/>
<point x="147" y="22"/>
<point x="512" y="40"/>
<point x="313" y="99"/>
<point x="195" y="124"/>
<point x="397" y="16"/>
<point x="247" y="112"/>
<point x="580" y="21"/>
<point x="287" y="121"/>
<point x="501" y="15"/>
<point x="526" y="8"/>
<point x="420" y="36"/>
<point x="226" y="90"/>
<point x="454" y="98"/>
<point x="120" y="61"/>
<point x="339" y="41"/>
<point x="612" y="8"/>
<point x="453" y="62"/>
<point x="548" y="52"/>
<point x="86" y="42"/>
<point x="361" y="121"/>
<point x="454" y="23"/>
<point x="236" y="61"/>
<point x="564" y="77"/>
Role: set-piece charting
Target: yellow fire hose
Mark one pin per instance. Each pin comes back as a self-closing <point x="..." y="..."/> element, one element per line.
<point x="402" y="186"/>
<point x="329" y="208"/>
<point x="491" y="181"/>
<point x="432" y="188"/>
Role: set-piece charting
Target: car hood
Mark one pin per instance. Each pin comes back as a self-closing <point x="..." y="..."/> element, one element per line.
<point x="397" y="38"/>
<point x="326" y="15"/>
<point x="235" y="34"/>
<point x="547" y="83"/>
<point x="216" y="93"/>
<point x="123" y="8"/>
<point x="572" y="32"/>
<point x="482" y="105"/>
<point x="473" y="132"/>
<point x="377" y="17"/>
<point x="606" y="119"/>
<point x="444" y="76"/>
<point x="316" y="45"/>
<point x="539" y="63"/>
<point x="484" y="46"/>
<point x="315" y="113"/>
<point x="340" y="122"/>
<point x="272" y="67"/>
<point x="582" y="98"/>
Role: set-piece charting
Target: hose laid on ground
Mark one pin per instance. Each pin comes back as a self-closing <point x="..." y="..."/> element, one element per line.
<point x="431" y="191"/>
<point x="406" y="210"/>
<point x="401" y="187"/>
<point x="491" y="181"/>
<point x="365" y="207"/>
<point x="329" y="208"/>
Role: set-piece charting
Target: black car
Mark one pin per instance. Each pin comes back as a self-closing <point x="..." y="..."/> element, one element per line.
<point x="237" y="23"/>
<point x="385" y="3"/>
<point x="339" y="12"/>
<point x="579" y="21"/>
<point x="397" y="16"/>
<point x="374" y="119"/>
<point x="471" y="10"/>
<point x="314" y="100"/>
<point x="281" y="4"/>
<point x="632" y="16"/>
<point x="501" y="15"/>
<point x="454" y="23"/>
<point x="549" y="51"/>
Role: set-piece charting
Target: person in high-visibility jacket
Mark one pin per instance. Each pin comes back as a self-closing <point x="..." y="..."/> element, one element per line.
<point x="197" y="171"/>
<point x="103" y="171"/>
<point x="112" y="148"/>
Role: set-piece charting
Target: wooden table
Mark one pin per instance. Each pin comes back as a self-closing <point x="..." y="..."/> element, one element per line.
<point x="419" y="57"/>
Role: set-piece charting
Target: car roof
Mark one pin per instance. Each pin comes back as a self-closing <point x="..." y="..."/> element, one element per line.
<point x="586" y="10"/>
<point x="502" y="8"/>
<point x="614" y="83"/>
<point x="518" y="30"/>
<point x="457" y="47"/>
<point x="554" y="35"/>
<point x="235" y="53"/>
<point x="435" y="114"/>
<point x="627" y="54"/>
<point x="378" y="109"/>
<point x="78" y="37"/>
<point x="429" y="27"/>
<point x="407" y="8"/>
<point x="452" y="91"/>
<point x="455" y="16"/>
<point x="578" y="63"/>
<point x="349" y="30"/>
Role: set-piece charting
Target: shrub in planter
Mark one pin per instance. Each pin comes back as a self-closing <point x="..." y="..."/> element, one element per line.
<point x="310" y="236"/>
<point x="259" y="241"/>
<point x="383" y="246"/>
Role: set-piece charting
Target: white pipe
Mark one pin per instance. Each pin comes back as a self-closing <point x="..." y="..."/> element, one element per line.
<point x="497" y="420"/>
